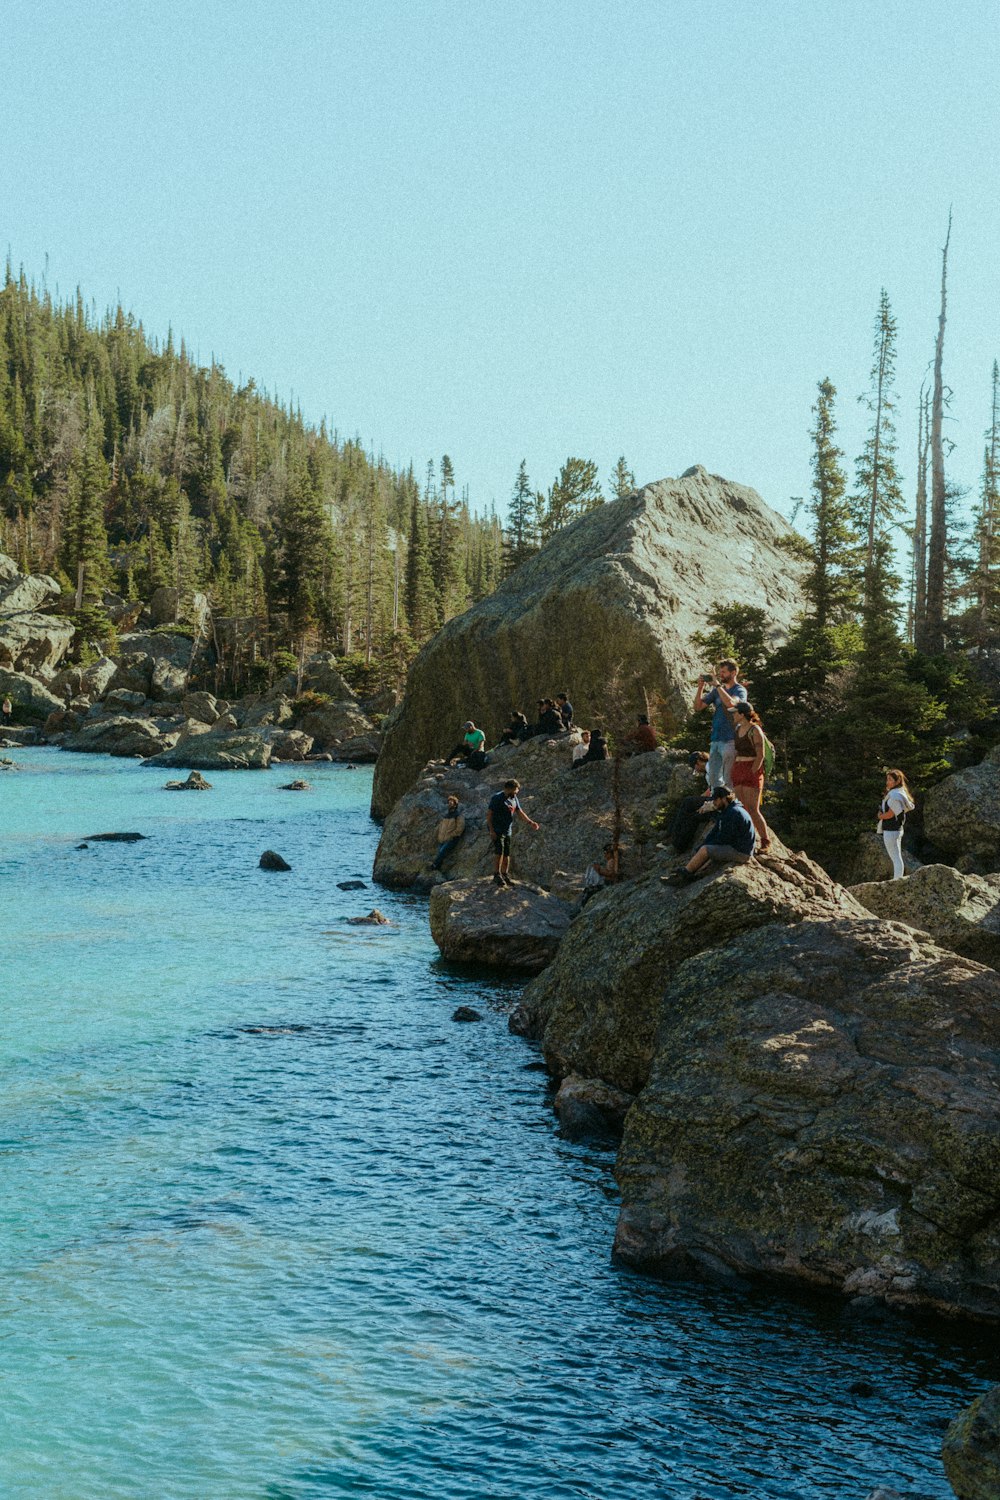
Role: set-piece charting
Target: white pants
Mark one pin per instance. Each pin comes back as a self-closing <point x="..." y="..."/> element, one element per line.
<point x="893" y="847"/>
<point x="719" y="771"/>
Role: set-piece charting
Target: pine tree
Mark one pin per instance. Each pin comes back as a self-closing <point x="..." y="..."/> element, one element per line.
<point x="984" y="583"/>
<point x="621" y="480"/>
<point x="86" y="540"/>
<point x="879" y="498"/>
<point x="521" y="539"/>
<point x="830" y="586"/>
<point x="575" y="492"/>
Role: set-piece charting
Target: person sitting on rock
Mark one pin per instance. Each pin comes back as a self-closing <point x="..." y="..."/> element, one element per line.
<point x="473" y="742"/>
<point x="564" y="709"/>
<point x="730" y="840"/>
<point x="580" y="750"/>
<point x="601" y="873"/>
<point x="686" y="819"/>
<point x="517" y="730"/>
<point x="642" y="737"/>
<point x="550" y="720"/>
<point x="596" y="750"/>
<point x="449" y="832"/>
<point x="500" y="814"/>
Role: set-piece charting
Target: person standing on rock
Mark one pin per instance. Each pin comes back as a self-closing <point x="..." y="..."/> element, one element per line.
<point x="7" y="711"/>
<point x="896" y="803"/>
<point x="748" y="768"/>
<point x="731" y="840"/>
<point x="500" y="815"/>
<point x="722" y="698"/>
<point x="449" y="832"/>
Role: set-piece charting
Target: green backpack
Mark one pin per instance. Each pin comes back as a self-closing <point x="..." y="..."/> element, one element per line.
<point x="769" y="756"/>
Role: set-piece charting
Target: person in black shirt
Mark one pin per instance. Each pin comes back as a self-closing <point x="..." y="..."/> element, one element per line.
<point x="550" y="721"/>
<point x="500" y="815"/>
<point x="596" y="750"/>
<point x="564" y="709"/>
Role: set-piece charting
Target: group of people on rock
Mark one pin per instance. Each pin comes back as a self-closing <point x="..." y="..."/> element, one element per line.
<point x="734" y="769"/>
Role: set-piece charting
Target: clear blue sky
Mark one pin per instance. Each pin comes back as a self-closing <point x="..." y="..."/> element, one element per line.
<point x="522" y="230"/>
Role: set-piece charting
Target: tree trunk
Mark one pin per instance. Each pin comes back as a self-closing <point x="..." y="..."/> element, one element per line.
<point x="933" y="633"/>
<point x="919" y="606"/>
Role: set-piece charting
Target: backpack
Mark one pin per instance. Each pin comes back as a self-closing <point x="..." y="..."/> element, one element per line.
<point x="769" y="755"/>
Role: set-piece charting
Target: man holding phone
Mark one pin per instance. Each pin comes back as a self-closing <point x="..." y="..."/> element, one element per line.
<point x="720" y="692"/>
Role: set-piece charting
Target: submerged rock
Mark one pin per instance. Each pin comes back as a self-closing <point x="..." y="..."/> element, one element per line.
<point x="296" y="786"/>
<point x="961" y="912"/>
<point x="617" y="595"/>
<point x="507" y="928"/>
<point x="351" y="885"/>
<point x="466" y="1013"/>
<point x="114" y="838"/>
<point x="375" y="918"/>
<point x="271" y="861"/>
<point x="971" y="1450"/>
<point x="588" y="1108"/>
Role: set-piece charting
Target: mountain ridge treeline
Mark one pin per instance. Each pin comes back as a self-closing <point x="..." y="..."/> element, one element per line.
<point x="126" y="466"/>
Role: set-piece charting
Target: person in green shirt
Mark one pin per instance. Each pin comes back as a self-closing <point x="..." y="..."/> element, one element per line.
<point x="472" y="743"/>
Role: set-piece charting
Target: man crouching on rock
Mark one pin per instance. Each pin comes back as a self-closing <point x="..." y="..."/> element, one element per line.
<point x="500" y="821"/>
<point x="730" y="840"/>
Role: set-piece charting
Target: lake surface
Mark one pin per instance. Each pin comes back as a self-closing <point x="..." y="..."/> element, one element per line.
<point x="272" y="1225"/>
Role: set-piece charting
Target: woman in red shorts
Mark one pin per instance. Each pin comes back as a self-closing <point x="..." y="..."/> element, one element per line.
<point x="748" y="769"/>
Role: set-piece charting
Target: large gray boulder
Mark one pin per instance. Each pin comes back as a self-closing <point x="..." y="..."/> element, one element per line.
<point x="971" y="1449"/>
<point x="598" y="1009"/>
<point x="22" y="595"/>
<point x="336" y="722"/>
<point x="225" y="750"/>
<point x="89" y="682"/>
<point x="122" y="735"/>
<point x="615" y="597"/>
<point x="960" y="912"/>
<point x="475" y="921"/>
<point x="28" y="693"/>
<point x="576" y="810"/>
<point x="9" y="570"/>
<point x="133" y="673"/>
<point x="823" y="1107"/>
<point x="962" y="813"/>
<point x="34" y="644"/>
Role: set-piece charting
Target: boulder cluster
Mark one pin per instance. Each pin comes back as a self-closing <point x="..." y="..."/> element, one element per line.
<point x="148" y="699"/>
<point x="805" y="1078"/>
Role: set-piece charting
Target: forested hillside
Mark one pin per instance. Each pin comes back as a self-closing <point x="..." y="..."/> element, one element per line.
<point x="126" y="466"/>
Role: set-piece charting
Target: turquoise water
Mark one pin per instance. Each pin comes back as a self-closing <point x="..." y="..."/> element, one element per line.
<point x="274" y="1226"/>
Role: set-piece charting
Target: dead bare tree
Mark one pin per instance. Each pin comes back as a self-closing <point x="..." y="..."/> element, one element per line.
<point x="931" y="629"/>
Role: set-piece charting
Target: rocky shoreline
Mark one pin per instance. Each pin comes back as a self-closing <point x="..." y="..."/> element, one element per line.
<point x="148" y="700"/>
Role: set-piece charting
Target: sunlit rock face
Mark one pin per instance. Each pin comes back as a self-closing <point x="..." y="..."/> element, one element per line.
<point x="615" y="596"/>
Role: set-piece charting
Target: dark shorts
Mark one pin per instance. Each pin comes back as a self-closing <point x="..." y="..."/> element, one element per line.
<point x="501" y="844"/>
<point x="725" y="854"/>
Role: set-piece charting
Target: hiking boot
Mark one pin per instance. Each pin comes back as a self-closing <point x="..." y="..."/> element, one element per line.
<point x="678" y="877"/>
<point x="498" y="880"/>
<point x="506" y="880"/>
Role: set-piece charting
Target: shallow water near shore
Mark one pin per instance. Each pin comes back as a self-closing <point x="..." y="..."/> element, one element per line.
<point x="272" y="1225"/>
